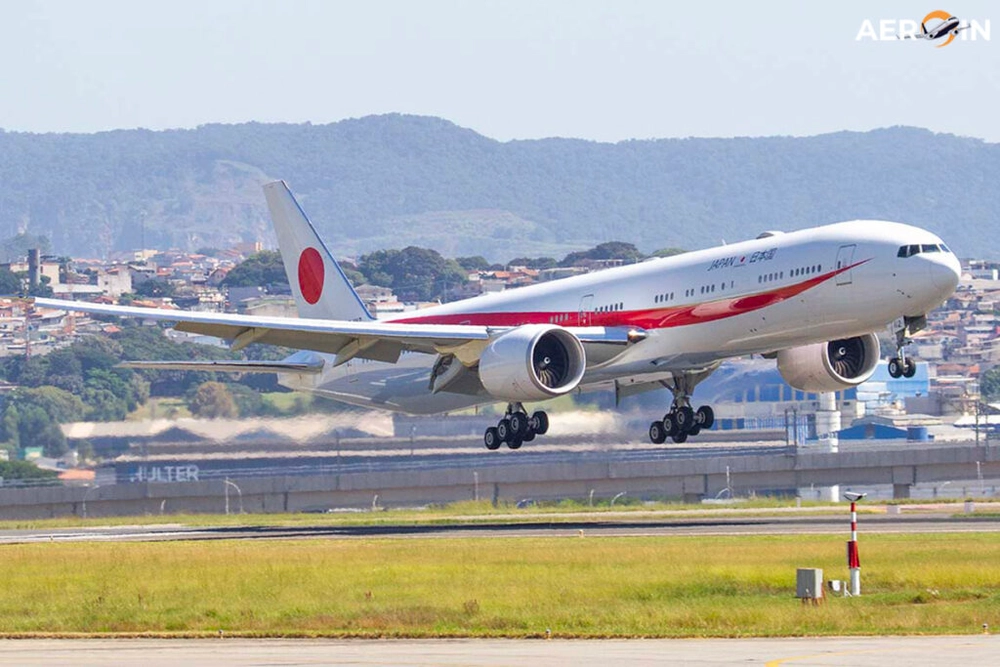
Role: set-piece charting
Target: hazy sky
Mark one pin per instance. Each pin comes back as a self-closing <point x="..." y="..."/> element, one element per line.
<point x="508" y="69"/>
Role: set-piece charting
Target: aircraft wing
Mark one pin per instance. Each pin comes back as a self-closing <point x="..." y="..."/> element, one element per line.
<point x="227" y="366"/>
<point x="381" y="341"/>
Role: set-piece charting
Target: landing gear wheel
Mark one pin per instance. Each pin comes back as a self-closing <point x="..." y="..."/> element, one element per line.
<point x="518" y="424"/>
<point x="514" y="443"/>
<point x="909" y="368"/>
<point x="705" y="417"/>
<point x="695" y="430"/>
<point x="680" y="438"/>
<point x="670" y="424"/>
<point x="540" y="423"/>
<point x="503" y="430"/>
<point x="657" y="433"/>
<point x="684" y="418"/>
<point x="529" y="436"/>
<point x="492" y="438"/>
<point x="895" y="367"/>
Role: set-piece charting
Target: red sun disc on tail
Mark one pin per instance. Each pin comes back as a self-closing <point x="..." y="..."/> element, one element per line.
<point x="311" y="274"/>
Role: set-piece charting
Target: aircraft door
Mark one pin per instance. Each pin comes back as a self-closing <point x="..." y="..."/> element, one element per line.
<point x="586" y="308"/>
<point x="845" y="257"/>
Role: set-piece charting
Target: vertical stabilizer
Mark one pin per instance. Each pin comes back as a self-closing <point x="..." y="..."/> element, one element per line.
<point x="321" y="289"/>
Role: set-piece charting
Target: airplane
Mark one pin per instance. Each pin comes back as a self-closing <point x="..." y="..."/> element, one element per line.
<point x="949" y="25"/>
<point x="810" y="299"/>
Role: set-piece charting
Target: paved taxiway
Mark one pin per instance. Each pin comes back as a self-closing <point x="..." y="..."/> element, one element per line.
<point x="793" y="652"/>
<point x="596" y="525"/>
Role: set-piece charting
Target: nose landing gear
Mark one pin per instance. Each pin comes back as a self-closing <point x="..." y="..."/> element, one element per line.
<point x="900" y="365"/>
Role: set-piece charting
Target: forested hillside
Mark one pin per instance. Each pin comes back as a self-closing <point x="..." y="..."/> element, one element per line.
<point x="392" y="181"/>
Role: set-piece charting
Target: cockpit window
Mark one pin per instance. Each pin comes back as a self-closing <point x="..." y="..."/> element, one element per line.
<point x="913" y="249"/>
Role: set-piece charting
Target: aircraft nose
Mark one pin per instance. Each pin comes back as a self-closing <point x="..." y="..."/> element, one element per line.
<point x="945" y="272"/>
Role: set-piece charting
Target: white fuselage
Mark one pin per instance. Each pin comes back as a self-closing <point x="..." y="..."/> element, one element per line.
<point x="695" y="309"/>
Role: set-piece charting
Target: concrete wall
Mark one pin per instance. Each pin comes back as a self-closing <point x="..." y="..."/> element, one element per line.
<point x="692" y="478"/>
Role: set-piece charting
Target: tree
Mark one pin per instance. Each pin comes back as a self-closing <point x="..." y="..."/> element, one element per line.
<point x="477" y="263"/>
<point x="668" y="252"/>
<point x="155" y="289"/>
<point x="539" y="263"/>
<point x="10" y="283"/>
<point x="213" y="400"/>
<point x="258" y="270"/>
<point x="989" y="384"/>
<point x="610" y="250"/>
<point x="42" y="289"/>
<point x="10" y="430"/>
<point x="24" y="470"/>
<point x="414" y="274"/>
<point x="35" y="414"/>
<point x="36" y="428"/>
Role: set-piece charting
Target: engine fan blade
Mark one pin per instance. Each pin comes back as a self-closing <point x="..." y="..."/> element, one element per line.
<point x="847" y="357"/>
<point x="551" y="364"/>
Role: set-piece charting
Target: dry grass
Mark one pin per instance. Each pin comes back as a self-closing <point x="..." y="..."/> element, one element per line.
<point x="680" y="586"/>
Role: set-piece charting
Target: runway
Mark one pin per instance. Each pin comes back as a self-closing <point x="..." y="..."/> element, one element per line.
<point x="594" y="525"/>
<point x="789" y="652"/>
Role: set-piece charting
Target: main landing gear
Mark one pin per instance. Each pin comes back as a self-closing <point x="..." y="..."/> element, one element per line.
<point x="516" y="428"/>
<point x="682" y="420"/>
<point x="900" y="365"/>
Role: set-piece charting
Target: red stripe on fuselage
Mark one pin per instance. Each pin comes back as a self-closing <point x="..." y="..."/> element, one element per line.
<point x="652" y="318"/>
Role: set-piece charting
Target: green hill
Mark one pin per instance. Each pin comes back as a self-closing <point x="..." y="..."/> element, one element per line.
<point x="391" y="181"/>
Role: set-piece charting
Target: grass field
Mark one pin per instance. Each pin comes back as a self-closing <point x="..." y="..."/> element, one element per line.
<point x="470" y="512"/>
<point x="665" y="586"/>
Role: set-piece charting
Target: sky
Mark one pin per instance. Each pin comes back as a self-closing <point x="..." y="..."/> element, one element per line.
<point x="508" y="69"/>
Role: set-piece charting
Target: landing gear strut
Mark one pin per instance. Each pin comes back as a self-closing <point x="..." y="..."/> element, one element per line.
<point x="900" y="365"/>
<point x="682" y="420"/>
<point x="516" y="428"/>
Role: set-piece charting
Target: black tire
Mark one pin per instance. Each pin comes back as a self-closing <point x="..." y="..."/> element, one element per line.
<point x="529" y="436"/>
<point x="657" y="433"/>
<point x="895" y="368"/>
<point x="684" y="418"/>
<point x="705" y="417"/>
<point x="909" y="368"/>
<point x="541" y="425"/>
<point x="492" y="439"/>
<point x="680" y="438"/>
<point x="695" y="430"/>
<point x="503" y="430"/>
<point x="518" y="424"/>
<point x="514" y="442"/>
<point x="669" y="424"/>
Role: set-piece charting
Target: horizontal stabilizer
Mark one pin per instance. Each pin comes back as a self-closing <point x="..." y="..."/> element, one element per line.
<point x="228" y="366"/>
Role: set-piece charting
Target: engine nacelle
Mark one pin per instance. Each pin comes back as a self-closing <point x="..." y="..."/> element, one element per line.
<point x="832" y="366"/>
<point x="532" y="362"/>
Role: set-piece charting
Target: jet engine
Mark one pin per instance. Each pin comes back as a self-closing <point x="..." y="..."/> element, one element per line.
<point x="831" y="366"/>
<point x="532" y="362"/>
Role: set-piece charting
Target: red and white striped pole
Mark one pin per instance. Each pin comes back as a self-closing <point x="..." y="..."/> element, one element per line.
<point x="853" y="562"/>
